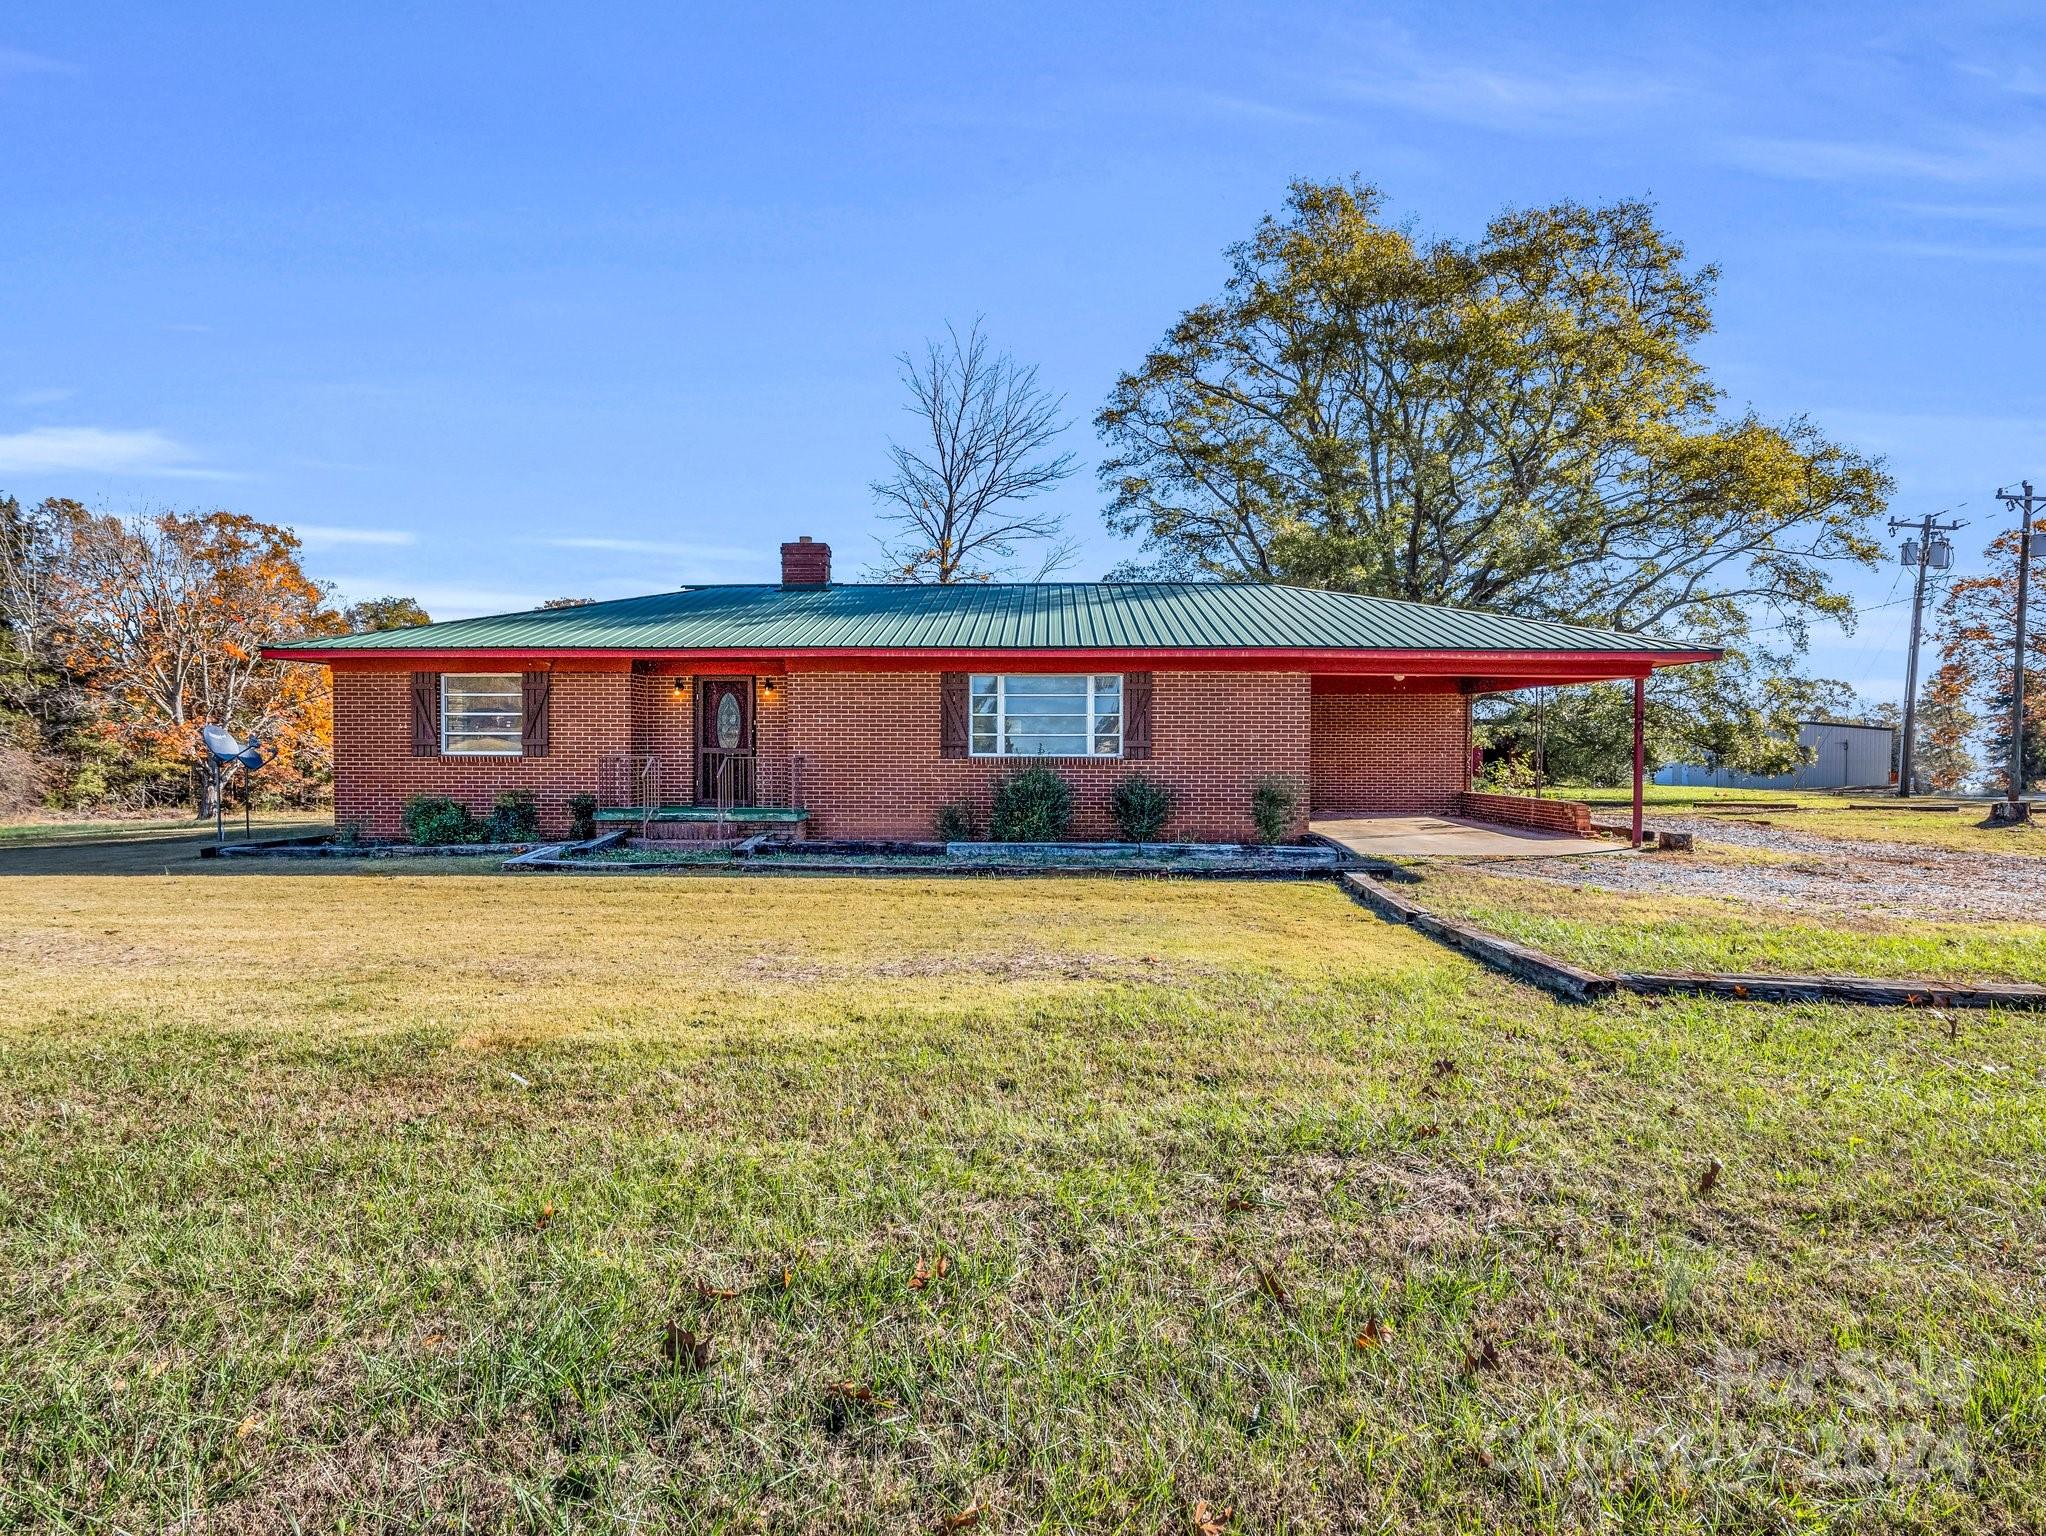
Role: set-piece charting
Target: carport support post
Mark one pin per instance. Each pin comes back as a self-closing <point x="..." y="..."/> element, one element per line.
<point x="1640" y="749"/>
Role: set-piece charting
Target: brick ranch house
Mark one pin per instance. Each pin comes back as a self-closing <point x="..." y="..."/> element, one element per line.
<point x="867" y="707"/>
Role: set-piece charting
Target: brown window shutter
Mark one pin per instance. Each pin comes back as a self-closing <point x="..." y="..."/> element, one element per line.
<point x="1136" y="714"/>
<point x="426" y="714"/>
<point x="535" y="692"/>
<point x="952" y="714"/>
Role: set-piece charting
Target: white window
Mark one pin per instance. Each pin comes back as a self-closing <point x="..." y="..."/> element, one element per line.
<point x="1021" y="714"/>
<point x="481" y="714"/>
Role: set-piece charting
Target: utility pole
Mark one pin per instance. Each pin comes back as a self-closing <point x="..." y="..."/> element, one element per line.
<point x="1931" y="550"/>
<point x="2014" y="809"/>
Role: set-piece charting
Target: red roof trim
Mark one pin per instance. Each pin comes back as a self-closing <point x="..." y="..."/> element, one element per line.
<point x="1539" y="665"/>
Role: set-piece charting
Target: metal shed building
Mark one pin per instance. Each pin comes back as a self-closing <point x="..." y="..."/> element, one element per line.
<point x="1845" y="755"/>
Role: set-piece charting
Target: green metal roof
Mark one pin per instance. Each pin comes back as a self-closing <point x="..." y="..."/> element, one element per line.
<point x="1060" y="615"/>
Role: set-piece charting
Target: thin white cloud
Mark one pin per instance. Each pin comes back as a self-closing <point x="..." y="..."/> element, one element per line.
<point x="1975" y="160"/>
<point x="2026" y="215"/>
<point x="30" y="399"/>
<point x="682" y="551"/>
<point x="326" y="536"/>
<point x="1934" y="250"/>
<point x="19" y="61"/>
<point x="1546" y="100"/>
<point x="101" y="450"/>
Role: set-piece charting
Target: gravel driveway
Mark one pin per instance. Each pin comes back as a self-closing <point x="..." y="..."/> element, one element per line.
<point x="1826" y="875"/>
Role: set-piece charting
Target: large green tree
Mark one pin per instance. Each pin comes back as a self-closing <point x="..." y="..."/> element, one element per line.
<point x="1514" y="422"/>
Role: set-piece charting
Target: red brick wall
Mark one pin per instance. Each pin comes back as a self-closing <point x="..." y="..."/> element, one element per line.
<point x="1522" y="811"/>
<point x="865" y="753"/>
<point x="860" y="750"/>
<point x="1389" y="751"/>
<point x="375" y="771"/>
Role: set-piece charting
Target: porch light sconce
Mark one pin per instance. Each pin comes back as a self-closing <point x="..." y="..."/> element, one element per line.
<point x="679" y="690"/>
<point x="767" y="686"/>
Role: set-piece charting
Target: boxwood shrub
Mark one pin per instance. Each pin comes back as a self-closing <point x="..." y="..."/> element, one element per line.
<point x="1034" y="805"/>
<point x="1141" y="806"/>
<point x="433" y="821"/>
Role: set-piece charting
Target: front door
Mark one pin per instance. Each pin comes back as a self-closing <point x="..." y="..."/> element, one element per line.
<point x="724" y="741"/>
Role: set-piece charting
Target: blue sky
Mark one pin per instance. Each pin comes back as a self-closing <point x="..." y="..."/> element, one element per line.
<point x="497" y="303"/>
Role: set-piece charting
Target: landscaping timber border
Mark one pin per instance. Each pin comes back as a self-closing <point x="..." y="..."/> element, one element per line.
<point x="1518" y="960"/>
<point x="1579" y="985"/>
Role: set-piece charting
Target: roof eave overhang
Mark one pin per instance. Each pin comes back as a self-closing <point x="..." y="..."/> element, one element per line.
<point x="1498" y="668"/>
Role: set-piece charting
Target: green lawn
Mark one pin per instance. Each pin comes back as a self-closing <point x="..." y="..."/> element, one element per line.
<point x="1616" y="931"/>
<point x="104" y="829"/>
<point x="386" y="1204"/>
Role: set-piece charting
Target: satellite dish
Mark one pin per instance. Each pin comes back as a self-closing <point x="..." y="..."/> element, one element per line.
<point x="225" y="752"/>
<point x="221" y="745"/>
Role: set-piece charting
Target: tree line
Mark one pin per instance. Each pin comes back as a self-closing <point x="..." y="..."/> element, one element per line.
<point x="1517" y="421"/>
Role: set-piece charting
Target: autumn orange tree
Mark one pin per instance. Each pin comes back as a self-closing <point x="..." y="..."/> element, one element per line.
<point x="1977" y="638"/>
<point x="164" y="617"/>
<point x="1946" y="728"/>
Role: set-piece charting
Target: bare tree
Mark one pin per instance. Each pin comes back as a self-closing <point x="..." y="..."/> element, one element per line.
<point x="957" y="500"/>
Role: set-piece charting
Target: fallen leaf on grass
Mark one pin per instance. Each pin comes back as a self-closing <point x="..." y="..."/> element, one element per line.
<point x="1273" y="1288"/>
<point x="545" y="1219"/>
<point x="1210" y="1521"/>
<point x="1709" y="1179"/>
<point x="686" y="1350"/>
<point x="1444" y="1067"/>
<point x="1481" y="1356"/>
<point x="707" y="1292"/>
<point x="1238" y="1203"/>
<point x="968" y="1516"/>
<point x="788" y="1277"/>
<point x="248" y="1426"/>
<point x="925" y="1273"/>
<point x="884" y="1409"/>
<point x="1426" y="1132"/>
<point x="1374" y="1333"/>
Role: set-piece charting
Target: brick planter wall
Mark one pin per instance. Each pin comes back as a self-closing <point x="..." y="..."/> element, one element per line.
<point x="1401" y="752"/>
<point x="1520" y="811"/>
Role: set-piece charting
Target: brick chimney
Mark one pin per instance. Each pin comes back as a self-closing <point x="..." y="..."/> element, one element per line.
<point x="806" y="563"/>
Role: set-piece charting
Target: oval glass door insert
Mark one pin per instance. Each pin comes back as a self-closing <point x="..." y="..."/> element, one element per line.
<point x="728" y="722"/>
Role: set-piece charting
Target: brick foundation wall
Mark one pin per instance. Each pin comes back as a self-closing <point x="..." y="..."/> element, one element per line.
<point x="1403" y="752"/>
<point x="375" y="771"/>
<point x="1521" y="811"/>
<point x="864" y="748"/>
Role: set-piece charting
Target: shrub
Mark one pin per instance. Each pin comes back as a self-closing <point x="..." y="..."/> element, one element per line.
<point x="1273" y="804"/>
<point x="514" y="818"/>
<point x="1141" y="806"/>
<point x="1031" y="806"/>
<point x="348" y="834"/>
<point x="434" y="820"/>
<point x="956" y="823"/>
<point x="582" y="817"/>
